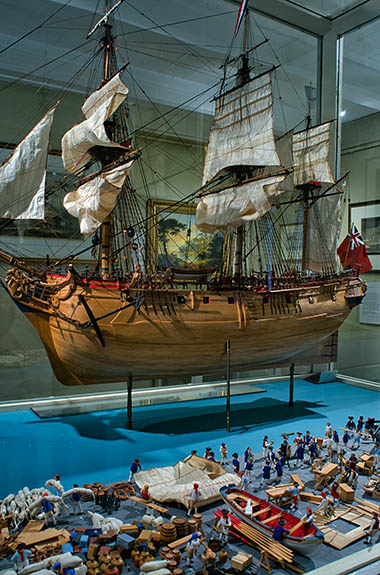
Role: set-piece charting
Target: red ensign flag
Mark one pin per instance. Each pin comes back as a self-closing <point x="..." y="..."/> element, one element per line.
<point x="353" y="253"/>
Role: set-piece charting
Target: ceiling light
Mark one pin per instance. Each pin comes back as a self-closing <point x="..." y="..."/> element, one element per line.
<point x="342" y="113"/>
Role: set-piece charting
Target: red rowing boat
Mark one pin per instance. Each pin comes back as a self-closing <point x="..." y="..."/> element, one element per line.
<point x="304" y="538"/>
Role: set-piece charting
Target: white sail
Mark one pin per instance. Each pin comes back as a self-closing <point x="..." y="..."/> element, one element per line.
<point x="23" y="175"/>
<point x="97" y="109"/>
<point x="229" y="209"/>
<point x="242" y="131"/>
<point x="311" y="150"/>
<point x="94" y="200"/>
<point x="324" y="220"/>
<point x="284" y="149"/>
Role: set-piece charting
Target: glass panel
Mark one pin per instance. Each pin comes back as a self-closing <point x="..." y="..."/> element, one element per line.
<point x="173" y="167"/>
<point x="359" y="337"/>
<point x="331" y="8"/>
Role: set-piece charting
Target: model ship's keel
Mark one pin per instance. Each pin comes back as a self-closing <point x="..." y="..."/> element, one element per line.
<point x="94" y="334"/>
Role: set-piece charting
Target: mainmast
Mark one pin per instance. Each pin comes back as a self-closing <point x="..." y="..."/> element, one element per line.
<point x="105" y="236"/>
<point x="243" y="78"/>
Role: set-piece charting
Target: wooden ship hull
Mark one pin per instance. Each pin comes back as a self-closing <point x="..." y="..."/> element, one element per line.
<point x="305" y="539"/>
<point x="98" y="331"/>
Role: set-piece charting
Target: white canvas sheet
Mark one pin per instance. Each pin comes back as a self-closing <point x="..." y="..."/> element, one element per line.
<point x="176" y="482"/>
<point x="231" y="208"/>
<point x="23" y="175"/>
<point x="324" y="223"/>
<point x="95" y="199"/>
<point x="97" y="109"/>
<point x="242" y="131"/>
<point x="311" y="150"/>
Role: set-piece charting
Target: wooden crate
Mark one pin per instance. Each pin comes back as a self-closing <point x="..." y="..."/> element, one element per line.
<point x="241" y="561"/>
<point x="363" y="469"/>
<point x="347" y="494"/>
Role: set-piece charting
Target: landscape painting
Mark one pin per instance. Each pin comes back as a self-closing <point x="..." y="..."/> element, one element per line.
<point x="175" y="242"/>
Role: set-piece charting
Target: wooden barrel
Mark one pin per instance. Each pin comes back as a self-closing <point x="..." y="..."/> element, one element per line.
<point x="168" y="532"/>
<point x="198" y="518"/>
<point x="178" y="571"/>
<point x="172" y="565"/>
<point x="169" y="556"/>
<point x="192" y="525"/>
<point x="177" y="555"/>
<point x="181" y="525"/>
<point x="214" y="544"/>
<point x="86" y="497"/>
<point x="163" y="552"/>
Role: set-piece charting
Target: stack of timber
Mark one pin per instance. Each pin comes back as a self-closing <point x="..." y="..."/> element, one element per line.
<point x="360" y="516"/>
<point x="269" y="549"/>
<point x="41" y="543"/>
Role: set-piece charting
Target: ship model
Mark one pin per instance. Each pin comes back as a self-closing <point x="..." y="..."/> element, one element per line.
<point x="131" y="316"/>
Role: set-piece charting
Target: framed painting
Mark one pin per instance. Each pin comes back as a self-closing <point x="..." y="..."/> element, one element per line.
<point x="173" y="241"/>
<point x="366" y="217"/>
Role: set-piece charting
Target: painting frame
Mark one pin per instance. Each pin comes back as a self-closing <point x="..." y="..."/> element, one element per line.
<point x="168" y="209"/>
<point x="366" y="217"/>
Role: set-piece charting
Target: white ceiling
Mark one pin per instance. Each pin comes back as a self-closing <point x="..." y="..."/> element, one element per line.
<point x="175" y="49"/>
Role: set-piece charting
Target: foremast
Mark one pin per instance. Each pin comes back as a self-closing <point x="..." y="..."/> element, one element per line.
<point x="105" y="231"/>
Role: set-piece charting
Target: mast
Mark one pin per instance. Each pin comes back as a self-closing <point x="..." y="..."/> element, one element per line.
<point x="306" y="192"/>
<point x="243" y="78"/>
<point x="105" y="236"/>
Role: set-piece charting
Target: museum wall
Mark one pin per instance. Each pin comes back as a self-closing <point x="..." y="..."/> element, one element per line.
<point x="359" y="342"/>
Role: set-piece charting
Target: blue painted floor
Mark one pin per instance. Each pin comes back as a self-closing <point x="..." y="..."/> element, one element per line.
<point x="97" y="447"/>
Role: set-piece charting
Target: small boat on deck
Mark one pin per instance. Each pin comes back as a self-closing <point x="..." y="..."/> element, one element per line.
<point x="302" y="538"/>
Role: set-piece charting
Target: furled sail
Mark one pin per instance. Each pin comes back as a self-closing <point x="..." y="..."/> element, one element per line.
<point x="242" y="131"/>
<point x="284" y="149"/>
<point x="95" y="199"/>
<point x="23" y="175"/>
<point x="311" y="150"/>
<point x="77" y="142"/>
<point x="324" y="220"/>
<point x="229" y="209"/>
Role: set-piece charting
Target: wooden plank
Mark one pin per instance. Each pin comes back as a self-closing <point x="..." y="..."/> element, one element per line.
<point x="260" y="512"/>
<point x="310" y="497"/>
<point x="32" y="537"/>
<point x="33" y="526"/>
<point x="330" y="535"/>
<point x="269" y="519"/>
<point x="295" y="477"/>
<point x="181" y="541"/>
<point x="162" y="510"/>
<point x="362" y="521"/>
<point x="348" y="538"/>
<point x="297" y="525"/>
<point x="258" y="536"/>
<point x="372" y="506"/>
<point x="265" y="541"/>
